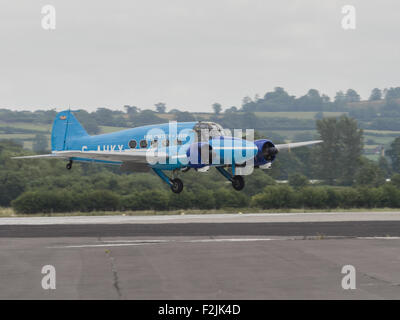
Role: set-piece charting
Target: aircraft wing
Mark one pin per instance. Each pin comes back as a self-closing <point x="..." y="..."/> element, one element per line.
<point x="289" y="146"/>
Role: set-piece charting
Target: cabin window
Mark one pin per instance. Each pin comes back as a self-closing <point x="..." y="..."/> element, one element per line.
<point x="143" y="144"/>
<point x="154" y="143"/>
<point x="132" y="144"/>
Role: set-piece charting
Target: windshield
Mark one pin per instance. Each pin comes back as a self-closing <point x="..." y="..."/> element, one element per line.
<point x="206" y="130"/>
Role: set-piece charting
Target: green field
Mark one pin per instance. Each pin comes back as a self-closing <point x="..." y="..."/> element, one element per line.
<point x="18" y="136"/>
<point x="27" y="126"/>
<point x="373" y="157"/>
<point x="28" y="145"/>
<point x="297" y="115"/>
<point x="371" y="146"/>
<point x="379" y="140"/>
<point x="109" y="129"/>
<point x="288" y="134"/>
<point x="382" y="132"/>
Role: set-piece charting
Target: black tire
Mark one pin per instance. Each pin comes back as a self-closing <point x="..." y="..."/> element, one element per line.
<point x="69" y="166"/>
<point x="177" y="185"/>
<point x="237" y="183"/>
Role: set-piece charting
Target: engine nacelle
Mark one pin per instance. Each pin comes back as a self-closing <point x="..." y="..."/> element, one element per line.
<point x="266" y="152"/>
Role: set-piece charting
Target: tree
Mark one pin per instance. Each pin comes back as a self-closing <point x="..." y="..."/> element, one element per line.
<point x="395" y="180"/>
<point x="161" y="107"/>
<point x="337" y="158"/>
<point x="392" y="93"/>
<point x="325" y="98"/>
<point x="311" y="101"/>
<point x="184" y="116"/>
<point x="297" y="180"/>
<point x="146" y="117"/>
<point x="275" y="197"/>
<point x="217" y="107"/>
<point x="384" y="166"/>
<point x="131" y="110"/>
<point x="231" y="110"/>
<point x="278" y="100"/>
<point x="369" y="174"/>
<point x="351" y="148"/>
<point x="352" y="96"/>
<point x="340" y="97"/>
<point x="104" y="116"/>
<point x="12" y="184"/>
<point x="328" y="151"/>
<point x="394" y="154"/>
<point x="88" y="121"/>
<point x="246" y="100"/>
<point x="376" y="94"/>
<point x="40" y="144"/>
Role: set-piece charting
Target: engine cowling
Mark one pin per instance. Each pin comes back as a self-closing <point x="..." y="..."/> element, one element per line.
<point x="266" y="152"/>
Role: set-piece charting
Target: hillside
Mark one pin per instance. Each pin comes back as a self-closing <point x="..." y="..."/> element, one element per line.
<point x="277" y="115"/>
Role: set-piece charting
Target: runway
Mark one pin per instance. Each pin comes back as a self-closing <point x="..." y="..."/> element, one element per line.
<point x="291" y="256"/>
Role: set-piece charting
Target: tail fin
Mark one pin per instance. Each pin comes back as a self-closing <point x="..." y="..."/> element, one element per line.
<point x="65" y="127"/>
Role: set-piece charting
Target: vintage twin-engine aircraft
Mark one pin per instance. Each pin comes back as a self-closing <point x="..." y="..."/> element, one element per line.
<point x="172" y="146"/>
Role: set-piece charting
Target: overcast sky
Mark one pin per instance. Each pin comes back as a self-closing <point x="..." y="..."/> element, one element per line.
<point x="190" y="54"/>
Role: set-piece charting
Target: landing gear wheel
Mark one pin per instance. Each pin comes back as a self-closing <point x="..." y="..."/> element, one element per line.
<point x="237" y="183"/>
<point x="69" y="165"/>
<point x="177" y="185"/>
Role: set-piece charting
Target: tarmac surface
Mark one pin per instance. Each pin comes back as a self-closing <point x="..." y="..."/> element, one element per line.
<point x="260" y="256"/>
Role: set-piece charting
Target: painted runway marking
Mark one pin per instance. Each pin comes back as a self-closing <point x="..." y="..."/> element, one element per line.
<point x="127" y="243"/>
<point x="122" y="243"/>
<point x="136" y="241"/>
<point x="378" y="238"/>
<point x="231" y="217"/>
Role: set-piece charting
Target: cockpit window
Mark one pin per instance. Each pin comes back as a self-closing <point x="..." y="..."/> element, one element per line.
<point x="208" y="130"/>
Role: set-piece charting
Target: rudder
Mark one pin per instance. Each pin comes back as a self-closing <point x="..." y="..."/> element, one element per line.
<point x="65" y="127"/>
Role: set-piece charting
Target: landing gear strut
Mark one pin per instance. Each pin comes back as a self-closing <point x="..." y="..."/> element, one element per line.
<point x="175" y="184"/>
<point x="69" y="165"/>
<point x="237" y="181"/>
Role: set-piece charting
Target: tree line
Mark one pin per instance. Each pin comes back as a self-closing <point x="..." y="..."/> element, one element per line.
<point x="381" y="112"/>
<point x="346" y="179"/>
<point x="280" y="100"/>
<point x="273" y="196"/>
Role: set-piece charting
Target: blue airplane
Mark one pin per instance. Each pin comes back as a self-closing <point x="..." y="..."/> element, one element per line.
<point x="165" y="147"/>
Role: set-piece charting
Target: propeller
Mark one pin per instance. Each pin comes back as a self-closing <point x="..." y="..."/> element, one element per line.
<point x="269" y="151"/>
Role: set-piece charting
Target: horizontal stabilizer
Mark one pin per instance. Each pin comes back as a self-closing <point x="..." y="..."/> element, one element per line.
<point x="296" y="144"/>
<point x="137" y="156"/>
